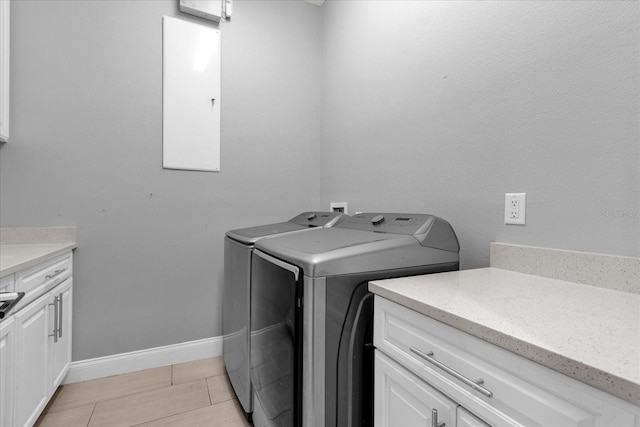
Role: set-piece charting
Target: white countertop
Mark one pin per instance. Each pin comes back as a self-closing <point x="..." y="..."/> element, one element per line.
<point x="588" y="333"/>
<point x="14" y="258"/>
<point x="24" y="247"/>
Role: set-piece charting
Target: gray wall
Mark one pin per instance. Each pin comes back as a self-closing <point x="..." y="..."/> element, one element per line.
<point x="437" y="107"/>
<point x="86" y="150"/>
<point x="446" y="106"/>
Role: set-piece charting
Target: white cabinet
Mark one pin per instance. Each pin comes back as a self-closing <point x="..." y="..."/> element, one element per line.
<point x="60" y="355"/>
<point x="403" y="399"/>
<point x="490" y="386"/>
<point x="7" y="362"/>
<point x="37" y="280"/>
<point x="32" y="354"/>
<point x="4" y="70"/>
<point x="35" y="341"/>
<point x="467" y="419"/>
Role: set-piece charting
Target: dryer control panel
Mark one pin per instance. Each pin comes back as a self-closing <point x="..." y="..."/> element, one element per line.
<point x="429" y="230"/>
<point x="388" y="222"/>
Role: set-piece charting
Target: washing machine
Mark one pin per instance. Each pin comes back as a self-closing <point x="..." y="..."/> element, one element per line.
<point x="311" y="313"/>
<point x="238" y="247"/>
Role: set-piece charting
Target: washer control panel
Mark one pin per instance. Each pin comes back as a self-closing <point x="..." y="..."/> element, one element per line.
<point x="317" y="219"/>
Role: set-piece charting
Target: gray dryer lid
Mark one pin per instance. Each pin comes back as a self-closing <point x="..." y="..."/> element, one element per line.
<point x="302" y="221"/>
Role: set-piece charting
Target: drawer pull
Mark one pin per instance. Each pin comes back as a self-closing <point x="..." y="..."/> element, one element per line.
<point x="434" y="419"/>
<point x="60" y="316"/>
<point x="55" y="319"/>
<point x="55" y="273"/>
<point x="476" y="385"/>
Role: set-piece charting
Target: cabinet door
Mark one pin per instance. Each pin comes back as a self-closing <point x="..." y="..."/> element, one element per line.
<point x="7" y="369"/>
<point x="60" y="348"/>
<point x="32" y="348"/>
<point x="403" y="399"/>
<point x="467" y="419"/>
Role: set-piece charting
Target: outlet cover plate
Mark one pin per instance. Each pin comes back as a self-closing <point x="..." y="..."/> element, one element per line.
<point x="515" y="208"/>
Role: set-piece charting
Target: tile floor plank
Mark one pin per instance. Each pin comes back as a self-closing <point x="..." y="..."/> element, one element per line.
<point x="150" y="405"/>
<point x="221" y="414"/>
<point x="220" y="389"/>
<point x="189" y="371"/>
<point x="201" y="395"/>
<point x="86" y="392"/>
<point x="74" y="417"/>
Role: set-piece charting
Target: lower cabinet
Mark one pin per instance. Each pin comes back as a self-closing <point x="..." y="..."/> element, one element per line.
<point x="31" y="362"/>
<point x="403" y="399"/>
<point x="7" y="361"/>
<point x="467" y="419"/>
<point x="60" y="354"/>
<point x="429" y="374"/>
<point x="43" y="352"/>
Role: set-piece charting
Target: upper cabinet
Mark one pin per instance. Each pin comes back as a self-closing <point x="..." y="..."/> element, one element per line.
<point x="4" y="70"/>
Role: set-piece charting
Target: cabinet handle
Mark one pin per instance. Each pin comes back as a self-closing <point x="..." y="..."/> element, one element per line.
<point x="55" y="320"/>
<point x="55" y="273"/>
<point x="434" y="419"/>
<point x="60" y="316"/>
<point x="476" y="385"/>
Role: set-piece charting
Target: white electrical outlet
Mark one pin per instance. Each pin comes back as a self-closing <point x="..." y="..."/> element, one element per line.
<point x="338" y="207"/>
<point x="515" y="208"/>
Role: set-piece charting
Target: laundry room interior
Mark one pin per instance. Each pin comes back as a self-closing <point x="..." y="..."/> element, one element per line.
<point x="435" y="108"/>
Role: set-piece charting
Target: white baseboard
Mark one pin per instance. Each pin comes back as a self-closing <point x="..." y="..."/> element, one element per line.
<point x="123" y="363"/>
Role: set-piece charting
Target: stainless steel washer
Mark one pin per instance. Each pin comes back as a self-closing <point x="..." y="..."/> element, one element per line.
<point x="238" y="247"/>
<point x="311" y="313"/>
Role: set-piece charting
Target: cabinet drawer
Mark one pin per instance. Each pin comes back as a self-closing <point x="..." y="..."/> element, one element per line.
<point x="515" y="391"/>
<point x="39" y="279"/>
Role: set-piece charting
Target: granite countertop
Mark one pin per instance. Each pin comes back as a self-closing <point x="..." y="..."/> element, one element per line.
<point x="586" y="332"/>
<point x="14" y="258"/>
<point x="21" y="248"/>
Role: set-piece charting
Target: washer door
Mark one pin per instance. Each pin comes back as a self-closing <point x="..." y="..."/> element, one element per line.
<point x="276" y="341"/>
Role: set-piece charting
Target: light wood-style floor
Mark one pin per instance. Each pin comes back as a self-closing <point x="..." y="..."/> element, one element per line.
<point x="188" y="394"/>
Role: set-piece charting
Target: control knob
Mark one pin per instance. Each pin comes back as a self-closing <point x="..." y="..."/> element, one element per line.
<point x="378" y="219"/>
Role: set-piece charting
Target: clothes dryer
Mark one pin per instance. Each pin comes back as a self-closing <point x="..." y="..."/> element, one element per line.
<point x="311" y="313"/>
<point x="238" y="246"/>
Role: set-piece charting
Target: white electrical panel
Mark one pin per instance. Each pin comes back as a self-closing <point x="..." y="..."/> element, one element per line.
<point x="190" y="96"/>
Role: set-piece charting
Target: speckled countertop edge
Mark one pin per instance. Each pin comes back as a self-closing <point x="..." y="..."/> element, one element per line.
<point x="620" y="273"/>
<point x="24" y="247"/>
<point x="37" y="235"/>
<point x="457" y="310"/>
